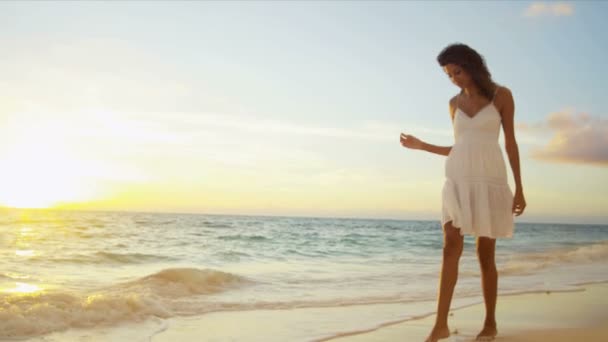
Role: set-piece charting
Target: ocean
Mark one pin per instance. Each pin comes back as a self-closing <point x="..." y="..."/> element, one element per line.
<point x="66" y="271"/>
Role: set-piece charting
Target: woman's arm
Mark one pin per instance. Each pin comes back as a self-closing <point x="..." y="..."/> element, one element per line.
<point x="507" y="111"/>
<point x="414" y="143"/>
<point x="442" y="150"/>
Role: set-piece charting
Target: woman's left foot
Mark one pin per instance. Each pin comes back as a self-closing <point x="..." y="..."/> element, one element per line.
<point x="488" y="333"/>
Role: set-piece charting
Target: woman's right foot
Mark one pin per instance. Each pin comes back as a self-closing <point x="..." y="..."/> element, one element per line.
<point x="438" y="333"/>
<point x="488" y="333"/>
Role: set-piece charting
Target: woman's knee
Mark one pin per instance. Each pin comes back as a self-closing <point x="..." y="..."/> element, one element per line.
<point x="453" y="241"/>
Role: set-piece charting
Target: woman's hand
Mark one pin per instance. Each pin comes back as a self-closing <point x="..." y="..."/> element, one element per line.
<point x="410" y="141"/>
<point x="519" y="203"/>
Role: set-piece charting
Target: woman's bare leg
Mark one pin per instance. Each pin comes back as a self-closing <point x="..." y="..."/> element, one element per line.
<point x="486" y="248"/>
<point x="452" y="249"/>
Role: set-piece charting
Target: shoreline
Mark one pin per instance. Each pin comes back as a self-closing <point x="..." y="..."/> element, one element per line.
<point x="529" y="317"/>
<point x="523" y="317"/>
<point x="583" y="287"/>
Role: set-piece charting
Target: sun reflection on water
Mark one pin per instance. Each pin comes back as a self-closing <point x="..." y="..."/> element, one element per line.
<point x="24" y="252"/>
<point x="23" y="288"/>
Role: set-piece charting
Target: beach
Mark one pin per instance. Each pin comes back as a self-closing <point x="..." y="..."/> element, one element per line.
<point x="580" y="315"/>
<point x="285" y="171"/>
<point x="109" y="276"/>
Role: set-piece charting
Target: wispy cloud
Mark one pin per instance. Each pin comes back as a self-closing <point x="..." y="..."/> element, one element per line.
<point x="367" y="131"/>
<point x="109" y="89"/>
<point x="576" y="138"/>
<point x="557" y="9"/>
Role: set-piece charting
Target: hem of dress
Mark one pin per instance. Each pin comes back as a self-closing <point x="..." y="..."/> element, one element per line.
<point x="464" y="232"/>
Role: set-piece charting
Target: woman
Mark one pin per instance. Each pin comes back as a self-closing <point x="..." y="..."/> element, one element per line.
<point x="476" y="198"/>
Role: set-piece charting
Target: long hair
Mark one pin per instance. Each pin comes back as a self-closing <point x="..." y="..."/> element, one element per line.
<point x="473" y="63"/>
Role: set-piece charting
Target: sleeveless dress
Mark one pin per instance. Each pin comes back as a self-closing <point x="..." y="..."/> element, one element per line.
<point x="476" y="196"/>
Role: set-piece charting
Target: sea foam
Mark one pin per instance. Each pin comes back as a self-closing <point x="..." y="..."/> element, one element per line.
<point x="29" y="314"/>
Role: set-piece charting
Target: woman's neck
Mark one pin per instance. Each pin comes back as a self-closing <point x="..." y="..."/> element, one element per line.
<point x="472" y="91"/>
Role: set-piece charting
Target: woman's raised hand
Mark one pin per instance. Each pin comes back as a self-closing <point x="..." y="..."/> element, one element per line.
<point x="410" y="141"/>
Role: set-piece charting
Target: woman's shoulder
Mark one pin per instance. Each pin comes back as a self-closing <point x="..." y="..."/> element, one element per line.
<point x="454" y="101"/>
<point x="453" y="105"/>
<point x="503" y="99"/>
<point x="502" y="92"/>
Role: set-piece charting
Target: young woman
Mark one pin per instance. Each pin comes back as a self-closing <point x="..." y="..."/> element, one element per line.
<point x="476" y="197"/>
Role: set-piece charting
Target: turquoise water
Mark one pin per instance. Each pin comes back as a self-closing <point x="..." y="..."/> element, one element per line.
<point x="62" y="270"/>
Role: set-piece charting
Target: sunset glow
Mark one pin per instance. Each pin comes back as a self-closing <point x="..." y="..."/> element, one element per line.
<point x="40" y="172"/>
<point x="143" y="108"/>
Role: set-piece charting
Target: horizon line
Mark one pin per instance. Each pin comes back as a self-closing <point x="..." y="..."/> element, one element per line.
<point x="337" y="217"/>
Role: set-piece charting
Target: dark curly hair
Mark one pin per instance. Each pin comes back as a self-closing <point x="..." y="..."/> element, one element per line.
<point x="473" y="63"/>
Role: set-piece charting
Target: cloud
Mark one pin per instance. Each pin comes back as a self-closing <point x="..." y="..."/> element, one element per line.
<point x="576" y="138"/>
<point x="242" y="124"/>
<point x="557" y="9"/>
<point x="109" y="89"/>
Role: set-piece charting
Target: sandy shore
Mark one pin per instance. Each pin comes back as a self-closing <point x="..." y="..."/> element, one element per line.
<point x="580" y="315"/>
<point x="536" y="317"/>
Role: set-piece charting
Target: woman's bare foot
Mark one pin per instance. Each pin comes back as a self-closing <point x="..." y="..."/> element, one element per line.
<point x="438" y="333"/>
<point x="488" y="333"/>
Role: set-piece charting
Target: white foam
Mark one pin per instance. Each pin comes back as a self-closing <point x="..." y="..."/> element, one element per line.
<point x="29" y="314"/>
<point x="530" y="262"/>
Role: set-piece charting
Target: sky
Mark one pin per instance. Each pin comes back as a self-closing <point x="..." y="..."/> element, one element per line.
<point x="290" y="108"/>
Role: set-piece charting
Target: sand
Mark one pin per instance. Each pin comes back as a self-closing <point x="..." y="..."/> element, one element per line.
<point x="580" y="315"/>
<point x="537" y="317"/>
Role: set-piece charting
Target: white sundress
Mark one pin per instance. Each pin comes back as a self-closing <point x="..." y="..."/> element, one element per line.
<point x="476" y="196"/>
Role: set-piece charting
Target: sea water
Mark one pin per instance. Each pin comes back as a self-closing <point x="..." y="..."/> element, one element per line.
<point x="62" y="270"/>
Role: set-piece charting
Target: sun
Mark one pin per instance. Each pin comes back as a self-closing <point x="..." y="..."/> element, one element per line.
<point x="39" y="171"/>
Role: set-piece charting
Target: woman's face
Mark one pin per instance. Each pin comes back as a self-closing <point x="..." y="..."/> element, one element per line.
<point x="457" y="75"/>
